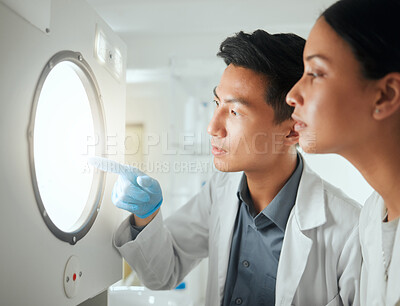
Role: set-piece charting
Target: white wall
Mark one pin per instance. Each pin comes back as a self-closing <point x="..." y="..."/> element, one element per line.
<point x="32" y="258"/>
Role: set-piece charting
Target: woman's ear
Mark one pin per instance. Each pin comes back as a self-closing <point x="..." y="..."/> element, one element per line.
<point x="389" y="99"/>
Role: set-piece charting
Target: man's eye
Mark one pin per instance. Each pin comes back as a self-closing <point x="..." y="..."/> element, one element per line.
<point x="234" y="113"/>
<point x="216" y="102"/>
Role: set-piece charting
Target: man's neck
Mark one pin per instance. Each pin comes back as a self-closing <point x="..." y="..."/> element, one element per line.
<point x="264" y="184"/>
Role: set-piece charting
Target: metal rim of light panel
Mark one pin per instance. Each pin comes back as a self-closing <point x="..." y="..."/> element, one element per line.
<point x="89" y="82"/>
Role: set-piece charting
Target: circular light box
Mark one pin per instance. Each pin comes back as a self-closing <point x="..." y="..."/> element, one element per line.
<point x="66" y="127"/>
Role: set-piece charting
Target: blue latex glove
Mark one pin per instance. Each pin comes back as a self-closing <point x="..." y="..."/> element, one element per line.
<point x="133" y="191"/>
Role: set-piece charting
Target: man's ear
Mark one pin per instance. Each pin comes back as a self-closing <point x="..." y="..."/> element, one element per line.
<point x="292" y="137"/>
<point x="388" y="101"/>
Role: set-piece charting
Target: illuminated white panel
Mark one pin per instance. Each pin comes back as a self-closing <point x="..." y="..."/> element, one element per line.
<point x="63" y="125"/>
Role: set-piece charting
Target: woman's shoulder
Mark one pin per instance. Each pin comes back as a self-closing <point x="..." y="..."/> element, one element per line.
<point x="373" y="205"/>
<point x="372" y="210"/>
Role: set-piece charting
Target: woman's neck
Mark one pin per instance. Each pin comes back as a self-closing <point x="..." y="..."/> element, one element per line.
<point x="379" y="163"/>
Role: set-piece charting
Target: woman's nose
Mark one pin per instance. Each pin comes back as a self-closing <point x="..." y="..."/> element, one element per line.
<point x="294" y="97"/>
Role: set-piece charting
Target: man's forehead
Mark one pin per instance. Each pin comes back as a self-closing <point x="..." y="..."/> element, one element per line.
<point x="233" y="99"/>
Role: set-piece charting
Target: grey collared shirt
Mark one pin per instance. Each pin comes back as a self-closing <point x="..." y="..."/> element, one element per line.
<point x="257" y="243"/>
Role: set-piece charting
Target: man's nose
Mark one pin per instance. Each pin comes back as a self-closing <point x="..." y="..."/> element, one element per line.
<point x="216" y="127"/>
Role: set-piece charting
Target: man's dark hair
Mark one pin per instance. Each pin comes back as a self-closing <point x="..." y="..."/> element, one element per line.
<point x="277" y="56"/>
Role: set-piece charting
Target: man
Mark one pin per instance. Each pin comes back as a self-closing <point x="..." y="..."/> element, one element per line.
<point x="274" y="231"/>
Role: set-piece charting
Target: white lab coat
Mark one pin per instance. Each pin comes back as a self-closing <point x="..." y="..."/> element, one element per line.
<point x="374" y="289"/>
<point x="320" y="260"/>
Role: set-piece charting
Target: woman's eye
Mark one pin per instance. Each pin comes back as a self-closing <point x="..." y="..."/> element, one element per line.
<point x="314" y="74"/>
<point x="216" y="102"/>
<point x="234" y="113"/>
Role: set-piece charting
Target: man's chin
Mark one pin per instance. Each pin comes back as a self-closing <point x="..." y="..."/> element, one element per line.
<point x="224" y="166"/>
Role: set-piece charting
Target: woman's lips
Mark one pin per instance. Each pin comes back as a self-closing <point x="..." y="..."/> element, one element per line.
<point x="300" y="125"/>
<point x="217" y="151"/>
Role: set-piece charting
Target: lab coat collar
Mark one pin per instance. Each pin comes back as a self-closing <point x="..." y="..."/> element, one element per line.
<point x="308" y="213"/>
<point x="310" y="203"/>
<point x="228" y="202"/>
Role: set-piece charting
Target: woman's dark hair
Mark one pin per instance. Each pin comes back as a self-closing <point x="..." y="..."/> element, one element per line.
<point x="279" y="57"/>
<point x="371" y="28"/>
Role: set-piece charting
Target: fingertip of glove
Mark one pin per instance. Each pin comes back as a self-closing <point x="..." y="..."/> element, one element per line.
<point x="144" y="181"/>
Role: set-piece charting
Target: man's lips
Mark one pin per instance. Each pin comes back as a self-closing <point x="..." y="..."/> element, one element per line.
<point x="217" y="150"/>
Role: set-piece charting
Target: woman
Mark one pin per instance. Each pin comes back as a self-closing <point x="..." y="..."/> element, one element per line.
<point x="348" y="102"/>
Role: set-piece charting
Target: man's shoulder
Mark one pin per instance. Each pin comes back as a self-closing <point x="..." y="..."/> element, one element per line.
<point x="338" y="205"/>
<point x="341" y="211"/>
<point x="336" y="196"/>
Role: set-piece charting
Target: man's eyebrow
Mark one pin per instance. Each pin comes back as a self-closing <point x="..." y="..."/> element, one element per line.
<point x="232" y="100"/>
<point x="310" y="57"/>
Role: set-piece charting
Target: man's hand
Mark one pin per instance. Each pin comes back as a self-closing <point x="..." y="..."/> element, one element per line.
<point x="133" y="191"/>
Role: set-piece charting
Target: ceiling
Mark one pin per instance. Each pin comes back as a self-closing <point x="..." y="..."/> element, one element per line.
<point x="161" y="32"/>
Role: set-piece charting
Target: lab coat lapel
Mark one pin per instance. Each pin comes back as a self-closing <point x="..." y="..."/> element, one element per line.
<point x="372" y="253"/>
<point x="293" y="260"/>
<point x="228" y="203"/>
<point x="393" y="289"/>
<point x="308" y="213"/>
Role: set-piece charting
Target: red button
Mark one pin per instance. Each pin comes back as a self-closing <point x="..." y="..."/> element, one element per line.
<point x="74" y="277"/>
